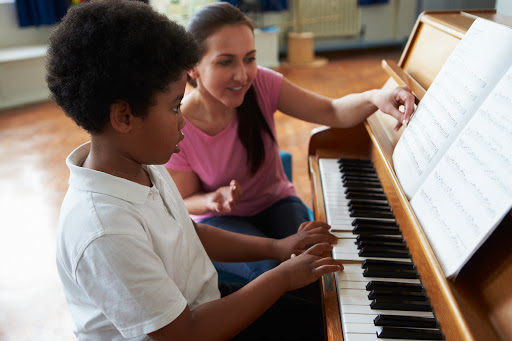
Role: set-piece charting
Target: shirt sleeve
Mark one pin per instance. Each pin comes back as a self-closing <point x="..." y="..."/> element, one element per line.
<point x="128" y="282"/>
<point x="268" y="87"/>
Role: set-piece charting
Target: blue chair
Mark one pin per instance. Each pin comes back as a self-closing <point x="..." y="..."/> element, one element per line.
<point x="286" y="159"/>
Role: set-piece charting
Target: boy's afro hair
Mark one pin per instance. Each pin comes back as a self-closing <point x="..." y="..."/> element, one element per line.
<point x="109" y="50"/>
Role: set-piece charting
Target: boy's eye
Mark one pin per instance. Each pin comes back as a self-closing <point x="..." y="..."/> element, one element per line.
<point x="176" y="108"/>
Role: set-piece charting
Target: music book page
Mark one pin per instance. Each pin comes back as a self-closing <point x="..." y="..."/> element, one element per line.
<point x="469" y="191"/>
<point x="454" y="160"/>
<point x="465" y="80"/>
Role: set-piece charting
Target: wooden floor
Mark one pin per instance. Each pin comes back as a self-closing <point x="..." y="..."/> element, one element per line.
<point x="34" y="142"/>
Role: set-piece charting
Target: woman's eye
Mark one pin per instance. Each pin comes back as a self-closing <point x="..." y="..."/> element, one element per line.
<point x="250" y="59"/>
<point x="176" y="108"/>
<point x="225" y="62"/>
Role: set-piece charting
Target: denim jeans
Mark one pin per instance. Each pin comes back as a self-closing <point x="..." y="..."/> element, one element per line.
<point x="280" y="220"/>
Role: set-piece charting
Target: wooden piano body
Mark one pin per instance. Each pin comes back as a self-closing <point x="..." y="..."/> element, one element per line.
<point x="478" y="304"/>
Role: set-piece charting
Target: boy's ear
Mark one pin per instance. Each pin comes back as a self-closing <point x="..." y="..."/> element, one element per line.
<point x="121" y="117"/>
<point x="193" y="73"/>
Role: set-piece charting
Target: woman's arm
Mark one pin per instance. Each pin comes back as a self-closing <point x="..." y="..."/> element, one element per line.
<point x="198" y="202"/>
<point x="345" y="111"/>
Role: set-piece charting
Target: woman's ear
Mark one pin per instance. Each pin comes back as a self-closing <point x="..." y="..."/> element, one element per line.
<point x="193" y="73"/>
<point x="121" y="117"/>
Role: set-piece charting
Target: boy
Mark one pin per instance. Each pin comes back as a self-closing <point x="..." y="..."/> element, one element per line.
<point x="131" y="261"/>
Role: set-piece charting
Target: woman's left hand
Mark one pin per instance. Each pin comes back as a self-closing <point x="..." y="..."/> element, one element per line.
<point x="390" y="100"/>
<point x="308" y="234"/>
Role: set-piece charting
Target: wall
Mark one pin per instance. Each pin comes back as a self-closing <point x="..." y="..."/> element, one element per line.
<point x="11" y="35"/>
<point x="504" y="6"/>
<point x="22" y="60"/>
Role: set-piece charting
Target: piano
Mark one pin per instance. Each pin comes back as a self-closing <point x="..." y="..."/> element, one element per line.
<point x="477" y="305"/>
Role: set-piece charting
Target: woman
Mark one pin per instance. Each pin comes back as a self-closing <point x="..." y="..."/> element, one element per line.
<point x="229" y="171"/>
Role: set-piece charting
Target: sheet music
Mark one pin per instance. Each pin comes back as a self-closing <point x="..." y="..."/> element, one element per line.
<point x="470" y="190"/>
<point x="465" y="80"/>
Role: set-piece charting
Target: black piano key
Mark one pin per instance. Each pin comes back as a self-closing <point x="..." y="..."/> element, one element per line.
<point x="367" y="196"/>
<point x="358" y="202"/>
<point x="391" y="245"/>
<point x="372" y="230"/>
<point x="358" y="221"/>
<point x="364" y="177"/>
<point x="360" y="177"/>
<point x="379" y="238"/>
<point x="387" y="264"/>
<point x="381" y="252"/>
<point x="405" y="321"/>
<point x="397" y="294"/>
<point x="372" y="285"/>
<point x="371" y="195"/>
<point x="396" y="304"/>
<point x="356" y="166"/>
<point x="362" y="184"/>
<point x="399" y="273"/>
<point x="409" y="333"/>
<point x="355" y="161"/>
<point x="369" y="207"/>
<point x="372" y="223"/>
<point x="358" y="171"/>
<point x="372" y="214"/>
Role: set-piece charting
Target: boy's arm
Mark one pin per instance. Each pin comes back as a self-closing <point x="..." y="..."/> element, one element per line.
<point x="224" y="318"/>
<point x="226" y="246"/>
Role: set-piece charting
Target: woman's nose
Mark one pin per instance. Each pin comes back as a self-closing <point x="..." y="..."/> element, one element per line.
<point x="240" y="74"/>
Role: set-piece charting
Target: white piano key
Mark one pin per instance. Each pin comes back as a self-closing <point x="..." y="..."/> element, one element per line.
<point x="369" y="337"/>
<point x="338" y="226"/>
<point x="347" y="256"/>
<point x="350" y="300"/>
<point x="352" y="268"/>
<point x="359" y="277"/>
<point x="349" y="243"/>
<point x="367" y="310"/>
<point x="360" y="328"/>
<point x="351" y="285"/>
<point x="353" y="293"/>
<point x="344" y="235"/>
<point x="361" y="337"/>
<point x="357" y="318"/>
<point x="340" y="250"/>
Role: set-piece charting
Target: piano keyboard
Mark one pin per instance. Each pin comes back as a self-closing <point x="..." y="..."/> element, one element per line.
<point x="380" y="294"/>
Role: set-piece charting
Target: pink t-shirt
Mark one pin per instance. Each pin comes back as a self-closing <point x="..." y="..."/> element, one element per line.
<point x="221" y="158"/>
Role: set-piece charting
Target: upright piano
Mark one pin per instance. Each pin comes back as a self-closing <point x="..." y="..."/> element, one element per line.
<point x="477" y="305"/>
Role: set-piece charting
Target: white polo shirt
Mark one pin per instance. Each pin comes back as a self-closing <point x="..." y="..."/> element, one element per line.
<point x="128" y="255"/>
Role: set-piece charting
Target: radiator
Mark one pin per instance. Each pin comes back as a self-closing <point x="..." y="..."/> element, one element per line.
<point x="330" y="18"/>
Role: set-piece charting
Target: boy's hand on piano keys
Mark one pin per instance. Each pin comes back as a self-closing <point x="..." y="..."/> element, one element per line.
<point x="389" y="101"/>
<point x="308" y="234"/>
<point x="307" y="267"/>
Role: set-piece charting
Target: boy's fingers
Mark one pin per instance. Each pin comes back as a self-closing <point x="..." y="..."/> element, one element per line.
<point x="321" y="238"/>
<point x="311" y="225"/>
<point x="319" y="248"/>
<point x="325" y="269"/>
